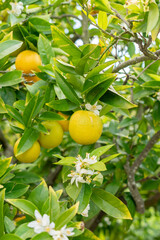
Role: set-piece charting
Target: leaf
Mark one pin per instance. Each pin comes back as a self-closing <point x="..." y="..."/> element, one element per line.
<point x="8" y="47"/>
<point x="99" y="68"/>
<point x="45" y="50"/>
<point x="2" y="106"/>
<point x="11" y="78"/>
<point x="156" y="111"/>
<point x="65" y="43"/>
<point x="24" y="205"/>
<point x="110" y="204"/>
<point x="99" y="166"/>
<point x="62" y="105"/>
<point x="66" y="216"/>
<point x="32" y="109"/>
<point x="73" y="191"/>
<point x="152" y="84"/>
<point x="100" y="151"/>
<point x="12" y="112"/>
<point x="103" y="5"/>
<point x="4" y="165"/>
<point x="114" y="99"/>
<point x="54" y="207"/>
<point x="68" y="161"/>
<point x="42" y="236"/>
<point x="15" y="190"/>
<point x="39" y="195"/>
<point x="97" y="92"/>
<point x="2" y="195"/>
<point x="29" y="137"/>
<point x="50" y="116"/>
<point x="153" y="17"/>
<point x="10" y="236"/>
<point x="40" y="24"/>
<point x="24" y="231"/>
<point x="107" y="159"/>
<point x="102" y="20"/>
<point x="67" y="89"/>
<point x="84" y="197"/>
<point x="87" y="235"/>
<point x="65" y="67"/>
<point x="9" y="225"/>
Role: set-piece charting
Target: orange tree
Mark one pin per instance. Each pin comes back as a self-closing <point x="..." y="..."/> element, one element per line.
<point x="79" y="89"/>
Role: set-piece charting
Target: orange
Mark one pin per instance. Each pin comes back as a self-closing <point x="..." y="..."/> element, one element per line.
<point x="64" y="123"/>
<point x="30" y="155"/>
<point x="85" y="127"/>
<point x="28" y="61"/>
<point x="54" y="137"/>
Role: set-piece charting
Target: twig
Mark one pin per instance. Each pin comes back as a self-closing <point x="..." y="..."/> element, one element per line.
<point x="147" y="67"/>
<point x="120" y="17"/>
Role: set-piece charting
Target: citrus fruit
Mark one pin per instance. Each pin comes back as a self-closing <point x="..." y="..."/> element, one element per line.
<point x="85" y="127"/>
<point x="54" y="136"/>
<point x="28" y="61"/>
<point x="30" y="155"/>
<point x="64" y="123"/>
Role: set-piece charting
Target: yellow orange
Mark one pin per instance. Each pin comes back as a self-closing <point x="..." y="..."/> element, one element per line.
<point x="64" y="123"/>
<point x="85" y="127"/>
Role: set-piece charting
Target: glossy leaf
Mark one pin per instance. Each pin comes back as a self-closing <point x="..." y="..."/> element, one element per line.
<point x="103" y="5"/>
<point x="100" y="151"/>
<point x="62" y="105"/>
<point x="10" y="236"/>
<point x="153" y="17"/>
<point x="42" y="236"/>
<point x="8" y="47"/>
<point x="102" y="20"/>
<point x="54" y="207"/>
<point x="50" y="116"/>
<point x="4" y="165"/>
<point x="84" y="197"/>
<point x="66" y="216"/>
<point x="11" y="78"/>
<point x="45" y="50"/>
<point x="12" y="112"/>
<point x="2" y="195"/>
<point x="87" y="235"/>
<point x="23" y="205"/>
<point x="110" y="204"/>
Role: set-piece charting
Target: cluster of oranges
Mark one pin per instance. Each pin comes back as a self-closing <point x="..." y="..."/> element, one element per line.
<point x="85" y="127"/>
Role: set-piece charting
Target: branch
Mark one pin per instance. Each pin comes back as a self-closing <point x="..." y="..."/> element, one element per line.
<point x="145" y="151"/>
<point x="131" y="170"/>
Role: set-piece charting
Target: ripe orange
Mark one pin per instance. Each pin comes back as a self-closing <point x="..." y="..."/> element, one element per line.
<point x="64" y="123"/>
<point x="28" y="61"/>
<point x="85" y="127"/>
<point x="30" y="155"/>
<point x="54" y="137"/>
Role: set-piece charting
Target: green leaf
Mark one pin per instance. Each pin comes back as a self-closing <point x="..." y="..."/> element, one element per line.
<point x="102" y="20"/>
<point x="9" y="225"/>
<point x="84" y="197"/>
<point x="12" y="112"/>
<point x="42" y="236"/>
<point x="4" y="165"/>
<point x="10" y="236"/>
<point x="153" y="17"/>
<point x="95" y="71"/>
<point x="32" y="109"/>
<point x="100" y="151"/>
<point x="2" y="195"/>
<point x="8" y="47"/>
<point x="97" y="92"/>
<point x="107" y="159"/>
<point x="11" y="78"/>
<point x="40" y="24"/>
<point x="95" y="80"/>
<point x="65" y="43"/>
<point x="66" y="216"/>
<point x="65" y="67"/>
<point x="15" y="190"/>
<point x="110" y="204"/>
<point x="155" y="84"/>
<point x="99" y="166"/>
<point x="24" y="205"/>
<point x="54" y="207"/>
<point x="50" y="116"/>
<point x="62" y="105"/>
<point x="45" y="50"/>
<point x="24" y="231"/>
<point x="68" y="161"/>
<point x="29" y="137"/>
<point x="67" y="89"/>
<point x="2" y="106"/>
<point x="87" y="235"/>
<point x="114" y="99"/>
<point x="156" y="111"/>
<point x="73" y="191"/>
<point x="103" y="5"/>
<point x="39" y="195"/>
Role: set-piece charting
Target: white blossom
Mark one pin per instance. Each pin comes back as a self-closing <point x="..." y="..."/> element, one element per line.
<point x="17" y="8"/>
<point x="93" y="108"/>
<point x="90" y="160"/>
<point x="86" y="210"/>
<point x="158" y="96"/>
<point x="76" y="177"/>
<point x="63" y="233"/>
<point x="42" y="223"/>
